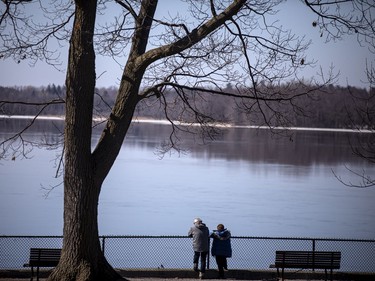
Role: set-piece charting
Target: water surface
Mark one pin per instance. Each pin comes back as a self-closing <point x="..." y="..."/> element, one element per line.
<point x="254" y="183"/>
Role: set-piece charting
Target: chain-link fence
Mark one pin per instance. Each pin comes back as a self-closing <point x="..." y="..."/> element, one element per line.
<point x="171" y="252"/>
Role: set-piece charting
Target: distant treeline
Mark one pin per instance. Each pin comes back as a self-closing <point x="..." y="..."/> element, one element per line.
<point x="330" y="107"/>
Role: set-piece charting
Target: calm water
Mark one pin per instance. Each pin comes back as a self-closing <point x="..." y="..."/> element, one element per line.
<point x="255" y="184"/>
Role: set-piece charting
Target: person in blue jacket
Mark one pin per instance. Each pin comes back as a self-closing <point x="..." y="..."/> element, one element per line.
<point x="221" y="248"/>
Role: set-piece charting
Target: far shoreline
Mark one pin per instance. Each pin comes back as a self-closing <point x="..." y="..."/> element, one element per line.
<point x="218" y="125"/>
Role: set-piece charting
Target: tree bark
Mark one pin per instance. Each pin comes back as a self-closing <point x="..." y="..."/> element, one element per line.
<point x="81" y="258"/>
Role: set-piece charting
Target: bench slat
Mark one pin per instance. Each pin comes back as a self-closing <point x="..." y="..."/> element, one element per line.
<point x="41" y="257"/>
<point x="307" y="260"/>
<point x="310" y="259"/>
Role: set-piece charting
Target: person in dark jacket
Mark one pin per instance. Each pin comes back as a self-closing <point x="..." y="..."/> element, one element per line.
<point x="221" y="248"/>
<point x="200" y="233"/>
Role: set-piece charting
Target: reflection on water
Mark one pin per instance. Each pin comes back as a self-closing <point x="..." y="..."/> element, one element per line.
<point x="301" y="148"/>
<point x="253" y="182"/>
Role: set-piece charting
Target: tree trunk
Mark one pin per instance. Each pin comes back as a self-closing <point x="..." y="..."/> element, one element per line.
<point x="82" y="258"/>
<point x="85" y="171"/>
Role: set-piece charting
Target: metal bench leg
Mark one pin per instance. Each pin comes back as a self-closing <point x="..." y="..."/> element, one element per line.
<point x="32" y="273"/>
<point x="331" y="274"/>
<point x="37" y="273"/>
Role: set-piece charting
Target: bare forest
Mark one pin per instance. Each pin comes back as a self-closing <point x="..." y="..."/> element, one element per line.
<point x="329" y="107"/>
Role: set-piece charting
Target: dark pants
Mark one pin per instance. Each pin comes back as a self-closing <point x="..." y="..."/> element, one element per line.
<point x="203" y="257"/>
<point x="221" y="264"/>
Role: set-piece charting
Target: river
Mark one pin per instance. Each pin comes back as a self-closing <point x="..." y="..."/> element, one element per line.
<point x="255" y="183"/>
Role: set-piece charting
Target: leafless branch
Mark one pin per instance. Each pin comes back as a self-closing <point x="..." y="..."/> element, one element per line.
<point x="366" y="180"/>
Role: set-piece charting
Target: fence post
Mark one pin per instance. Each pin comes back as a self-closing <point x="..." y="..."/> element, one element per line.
<point x="313" y="248"/>
<point x="313" y="245"/>
<point x="208" y="254"/>
<point x="103" y="245"/>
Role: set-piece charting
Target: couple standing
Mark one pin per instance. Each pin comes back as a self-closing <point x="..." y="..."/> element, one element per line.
<point x="221" y="246"/>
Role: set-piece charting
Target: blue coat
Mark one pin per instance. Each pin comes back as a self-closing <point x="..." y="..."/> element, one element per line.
<point x="221" y="245"/>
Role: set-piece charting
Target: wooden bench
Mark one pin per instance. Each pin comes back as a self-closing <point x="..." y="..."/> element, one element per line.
<point x="42" y="257"/>
<point x="307" y="260"/>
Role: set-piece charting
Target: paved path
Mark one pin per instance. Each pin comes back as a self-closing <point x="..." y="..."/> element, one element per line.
<point x="163" y="279"/>
<point x="166" y="279"/>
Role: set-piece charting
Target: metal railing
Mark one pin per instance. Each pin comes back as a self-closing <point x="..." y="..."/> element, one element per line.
<point x="171" y="252"/>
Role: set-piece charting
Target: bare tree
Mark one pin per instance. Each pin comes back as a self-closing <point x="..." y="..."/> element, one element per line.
<point x="354" y="18"/>
<point x="196" y="55"/>
<point x="361" y="112"/>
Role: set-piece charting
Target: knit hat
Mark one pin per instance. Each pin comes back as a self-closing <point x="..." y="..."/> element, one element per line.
<point x="197" y="220"/>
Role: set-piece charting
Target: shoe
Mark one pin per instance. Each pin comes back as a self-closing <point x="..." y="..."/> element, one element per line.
<point x="226" y="268"/>
<point x="201" y="275"/>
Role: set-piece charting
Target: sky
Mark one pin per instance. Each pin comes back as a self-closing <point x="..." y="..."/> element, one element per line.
<point x="346" y="55"/>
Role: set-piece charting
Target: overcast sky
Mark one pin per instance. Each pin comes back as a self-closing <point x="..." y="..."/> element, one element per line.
<point x="347" y="56"/>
